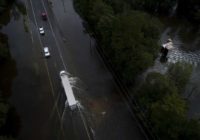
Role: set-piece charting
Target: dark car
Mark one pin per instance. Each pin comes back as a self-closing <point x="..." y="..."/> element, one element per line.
<point x="44" y="16"/>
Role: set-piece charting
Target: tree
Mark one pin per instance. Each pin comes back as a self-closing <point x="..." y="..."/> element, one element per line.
<point x="155" y="88"/>
<point x="83" y="7"/>
<point x="133" y="44"/>
<point x="118" y="6"/>
<point x="3" y="113"/>
<point x="189" y="9"/>
<point x="4" y="50"/>
<point x="168" y="116"/>
<point x="180" y="73"/>
<point x="190" y="130"/>
<point x="128" y="39"/>
<point x="155" y="6"/>
<point x="101" y="18"/>
<point x="164" y="107"/>
<point x="99" y="9"/>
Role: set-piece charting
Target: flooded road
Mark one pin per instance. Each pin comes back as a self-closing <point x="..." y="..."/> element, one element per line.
<point x="104" y="108"/>
<point x="37" y="93"/>
<point x="30" y="91"/>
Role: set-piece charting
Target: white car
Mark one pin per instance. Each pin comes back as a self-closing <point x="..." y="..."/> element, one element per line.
<point x="46" y="52"/>
<point x="41" y="30"/>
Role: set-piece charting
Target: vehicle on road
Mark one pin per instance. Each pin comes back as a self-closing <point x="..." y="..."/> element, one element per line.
<point x="44" y="16"/>
<point x="41" y="30"/>
<point x="46" y="52"/>
<point x="71" y="101"/>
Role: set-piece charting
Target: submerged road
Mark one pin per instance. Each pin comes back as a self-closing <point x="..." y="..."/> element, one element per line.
<point x="53" y="66"/>
<point x="103" y="113"/>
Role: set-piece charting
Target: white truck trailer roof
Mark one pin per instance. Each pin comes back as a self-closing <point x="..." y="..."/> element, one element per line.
<point x="68" y="89"/>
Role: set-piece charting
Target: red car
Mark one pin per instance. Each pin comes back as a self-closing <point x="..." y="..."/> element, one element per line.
<point x="44" y="16"/>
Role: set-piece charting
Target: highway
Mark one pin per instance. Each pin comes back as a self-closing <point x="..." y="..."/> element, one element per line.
<point x="103" y="113"/>
<point x="53" y="66"/>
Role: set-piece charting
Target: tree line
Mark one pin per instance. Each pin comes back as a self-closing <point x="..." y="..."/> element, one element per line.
<point x="160" y="97"/>
<point x="9" y="120"/>
<point x="129" y="38"/>
<point x="187" y="9"/>
<point x="128" y="32"/>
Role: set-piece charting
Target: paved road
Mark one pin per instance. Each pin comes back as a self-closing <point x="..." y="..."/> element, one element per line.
<point x="72" y="125"/>
<point x="107" y="114"/>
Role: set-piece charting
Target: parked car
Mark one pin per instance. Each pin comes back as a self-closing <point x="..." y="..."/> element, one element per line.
<point x="46" y="52"/>
<point x="41" y="30"/>
<point x="44" y="16"/>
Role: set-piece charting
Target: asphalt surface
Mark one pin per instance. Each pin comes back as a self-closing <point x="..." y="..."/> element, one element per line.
<point x="37" y="92"/>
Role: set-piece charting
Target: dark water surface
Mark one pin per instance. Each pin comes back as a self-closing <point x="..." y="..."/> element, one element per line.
<point x="31" y="93"/>
<point x="42" y="114"/>
<point x="105" y="111"/>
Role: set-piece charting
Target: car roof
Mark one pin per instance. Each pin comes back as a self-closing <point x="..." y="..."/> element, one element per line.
<point x="46" y="49"/>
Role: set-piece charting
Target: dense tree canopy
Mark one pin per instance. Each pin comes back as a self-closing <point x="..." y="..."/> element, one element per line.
<point x="129" y="39"/>
<point x="160" y="98"/>
<point x="180" y="74"/>
<point x="133" y="43"/>
<point x="155" y="88"/>
<point x="7" y="67"/>
<point x="155" y="6"/>
<point x="190" y="130"/>
<point x="3" y="112"/>
<point x="167" y="116"/>
<point x="118" y="6"/>
<point x="4" y="51"/>
<point x="189" y="9"/>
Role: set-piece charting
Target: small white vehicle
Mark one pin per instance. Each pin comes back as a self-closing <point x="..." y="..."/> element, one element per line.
<point x="41" y="30"/>
<point x="46" y="52"/>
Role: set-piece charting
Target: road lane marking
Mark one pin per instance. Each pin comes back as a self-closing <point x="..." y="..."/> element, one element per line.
<point x="45" y="62"/>
<point x="123" y="96"/>
<point x="57" y="44"/>
<point x="84" y="122"/>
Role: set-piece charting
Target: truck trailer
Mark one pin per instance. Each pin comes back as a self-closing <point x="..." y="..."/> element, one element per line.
<point x="68" y="90"/>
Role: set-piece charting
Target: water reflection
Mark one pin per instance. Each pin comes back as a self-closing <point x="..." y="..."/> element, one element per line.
<point x="8" y="72"/>
<point x="12" y="125"/>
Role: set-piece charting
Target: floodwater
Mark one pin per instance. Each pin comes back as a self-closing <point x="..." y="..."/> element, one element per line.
<point x="43" y="115"/>
<point x="101" y="101"/>
<point x="186" y="49"/>
<point x="30" y="93"/>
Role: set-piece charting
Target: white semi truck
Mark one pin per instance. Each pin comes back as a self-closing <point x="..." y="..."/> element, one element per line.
<point x="68" y="90"/>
